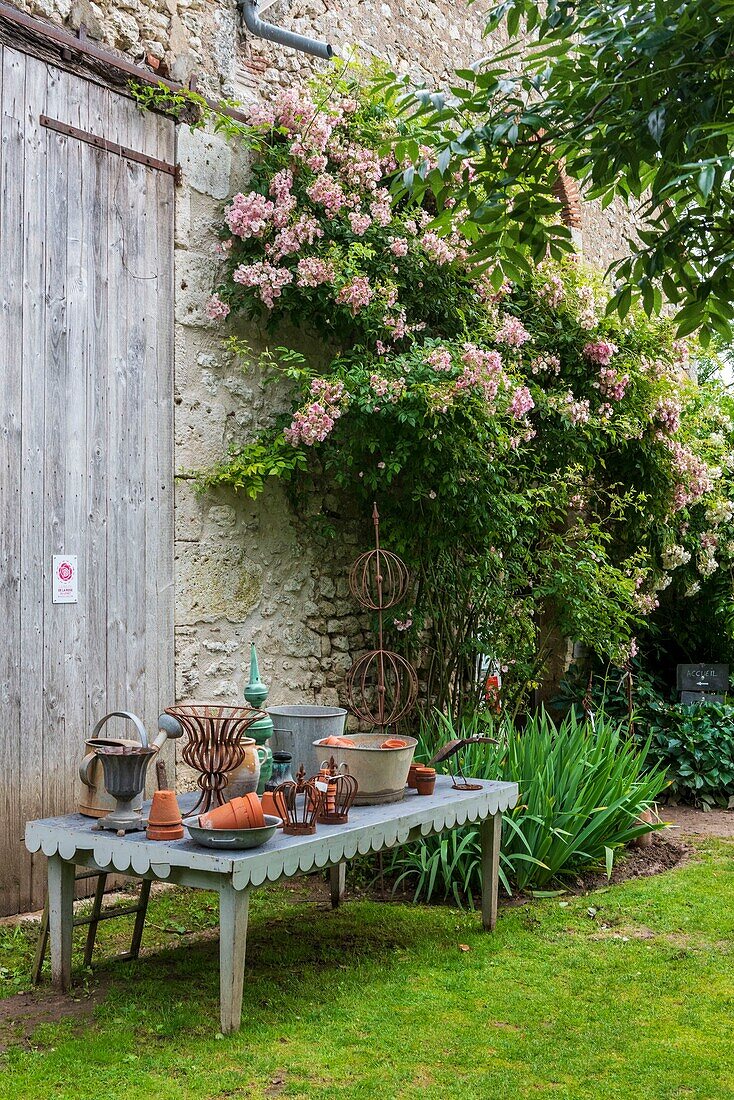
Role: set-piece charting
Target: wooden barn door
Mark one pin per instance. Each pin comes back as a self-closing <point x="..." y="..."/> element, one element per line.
<point x="86" y="452"/>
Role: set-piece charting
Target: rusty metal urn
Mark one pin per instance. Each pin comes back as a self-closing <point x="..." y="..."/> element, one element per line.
<point x="124" y="770"/>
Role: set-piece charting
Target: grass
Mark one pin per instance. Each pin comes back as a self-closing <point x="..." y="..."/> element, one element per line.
<point x="628" y="992"/>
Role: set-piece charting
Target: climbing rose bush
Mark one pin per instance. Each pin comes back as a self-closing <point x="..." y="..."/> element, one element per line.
<point x="549" y="468"/>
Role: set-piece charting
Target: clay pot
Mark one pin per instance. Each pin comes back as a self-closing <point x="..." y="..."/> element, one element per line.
<point x="411" y="782"/>
<point x="240" y="813"/>
<point x="644" y="840"/>
<point x="269" y="805"/>
<point x="244" y="780"/>
<point x="425" y="780"/>
<point x="393" y="743"/>
<point x="336" y="742"/>
<point x="164" y="819"/>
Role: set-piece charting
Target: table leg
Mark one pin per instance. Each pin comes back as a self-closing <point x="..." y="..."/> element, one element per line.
<point x="60" y="919"/>
<point x="234" y="906"/>
<point x="490" y="838"/>
<point x="337" y="881"/>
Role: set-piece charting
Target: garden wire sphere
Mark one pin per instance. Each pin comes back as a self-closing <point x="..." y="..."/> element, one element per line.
<point x="214" y="746"/>
<point x="382" y="686"/>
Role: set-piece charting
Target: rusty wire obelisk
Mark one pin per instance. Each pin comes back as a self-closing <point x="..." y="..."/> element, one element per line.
<point x="381" y="685"/>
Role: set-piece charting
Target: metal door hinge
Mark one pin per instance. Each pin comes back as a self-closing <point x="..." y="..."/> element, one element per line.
<point x="112" y="147"/>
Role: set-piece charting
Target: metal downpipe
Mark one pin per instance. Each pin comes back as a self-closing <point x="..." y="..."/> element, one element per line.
<point x="261" y="29"/>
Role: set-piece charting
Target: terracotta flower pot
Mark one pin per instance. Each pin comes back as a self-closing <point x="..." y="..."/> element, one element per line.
<point x="240" y="813"/>
<point x="411" y="783"/>
<point x="164" y="820"/>
<point x="393" y="743"/>
<point x="269" y="805"/>
<point x="425" y="780"/>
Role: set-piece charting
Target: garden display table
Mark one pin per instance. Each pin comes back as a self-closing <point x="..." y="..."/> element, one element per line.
<point x="73" y="841"/>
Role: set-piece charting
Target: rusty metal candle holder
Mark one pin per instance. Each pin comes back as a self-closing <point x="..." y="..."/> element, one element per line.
<point x="214" y="745"/>
<point x="341" y="790"/>
<point x="298" y="806"/>
<point x="381" y="685"/>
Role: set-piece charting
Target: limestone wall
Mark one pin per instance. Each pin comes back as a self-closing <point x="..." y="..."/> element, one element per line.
<point x="250" y="570"/>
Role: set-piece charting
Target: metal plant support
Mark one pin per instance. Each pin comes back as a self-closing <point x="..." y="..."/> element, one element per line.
<point x="382" y="687"/>
<point x="214" y="745"/>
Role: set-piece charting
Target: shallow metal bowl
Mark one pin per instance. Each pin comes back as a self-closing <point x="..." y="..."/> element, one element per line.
<point x="232" y="839"/>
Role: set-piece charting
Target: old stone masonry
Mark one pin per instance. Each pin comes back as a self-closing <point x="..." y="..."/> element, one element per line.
<point x="248" y="570"/>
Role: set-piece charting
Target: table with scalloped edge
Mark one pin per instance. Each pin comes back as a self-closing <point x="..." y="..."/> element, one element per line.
<point x="74" y="840"/>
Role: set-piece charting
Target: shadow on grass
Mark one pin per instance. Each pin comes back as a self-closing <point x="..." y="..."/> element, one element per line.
<point x="293" y="952"/>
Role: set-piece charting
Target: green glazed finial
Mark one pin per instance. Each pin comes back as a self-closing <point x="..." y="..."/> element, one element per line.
<point x="256" y="692"/>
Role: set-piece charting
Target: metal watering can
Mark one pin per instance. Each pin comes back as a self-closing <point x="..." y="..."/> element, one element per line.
<point x="94" y="801"/>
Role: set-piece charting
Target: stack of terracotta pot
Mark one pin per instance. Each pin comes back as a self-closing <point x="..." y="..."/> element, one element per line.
<point x="164" y="820"/>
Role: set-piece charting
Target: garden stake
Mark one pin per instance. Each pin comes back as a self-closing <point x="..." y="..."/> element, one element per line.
<point x="379" y="580"/>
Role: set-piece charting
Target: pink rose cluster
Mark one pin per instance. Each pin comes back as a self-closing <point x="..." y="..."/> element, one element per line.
<point x="249" y="215"/>
<point x="356" y="294"/>
<point x="521" y="402"/>
<point x="512" y="332"/>
<point x="612" y="384"/>
<point x="694" y="476"/>
<point x="667" y="414"/>
<point x="482" y="369"/>
<point x="314" y="272"/>
<point x="440" y="359"/>
<point x="552" y="292"/>
<point x="314" y="423"/>
<point x="438" y="249"/>
<point x="573" y="410"/>
<point x="545" y="364"/>
<point x="391" y="388"/>
<point x="327" y="191"/>
<point x="291" y="238"/>
<point x="600" y="352"/>
<point x="216" y="309"/>
<point x="265" y="277"/>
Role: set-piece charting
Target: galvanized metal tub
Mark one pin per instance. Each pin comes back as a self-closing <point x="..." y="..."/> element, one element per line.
<point x="381" y="773"/>
<point x="295" y="728"/>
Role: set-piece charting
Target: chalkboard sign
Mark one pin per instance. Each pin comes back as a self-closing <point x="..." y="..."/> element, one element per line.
<point x="693" y="698"/>
<point x="703" y="677"/>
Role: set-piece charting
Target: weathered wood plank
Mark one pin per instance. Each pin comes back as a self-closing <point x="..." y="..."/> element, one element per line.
<point x="60" y="919"/>
<point x="162" y="529"/>
<point x="33" y="574"/>
<point x="95" y="196"/>
<point x="234" y="906"/>
<point x="74" y="445"/>
<point x="490" y="835"/>
<point x="117" y="534"/>
<point x="11" y="344"/>
<point x="56" y="398"/>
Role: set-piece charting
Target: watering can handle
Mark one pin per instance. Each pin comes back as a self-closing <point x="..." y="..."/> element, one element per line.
<point x="84" y="769"/>
<point x="124" y="714"/>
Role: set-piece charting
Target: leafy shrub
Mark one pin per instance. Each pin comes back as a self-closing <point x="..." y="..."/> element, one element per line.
<point x="696" y="746"/>
<point x="545" y="469"/>
<point x="582" y="789"/>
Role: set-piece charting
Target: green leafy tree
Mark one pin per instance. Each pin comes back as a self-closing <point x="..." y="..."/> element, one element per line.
<point x="635" y="101"/>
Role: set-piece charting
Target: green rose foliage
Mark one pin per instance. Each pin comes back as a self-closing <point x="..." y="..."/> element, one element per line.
<point x="546" y="470"/>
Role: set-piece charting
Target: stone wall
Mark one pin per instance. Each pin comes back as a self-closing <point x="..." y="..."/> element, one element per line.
<point x="250" y="570"/>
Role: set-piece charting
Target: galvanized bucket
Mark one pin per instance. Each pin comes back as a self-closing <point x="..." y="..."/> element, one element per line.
<point x="295" y="728"/>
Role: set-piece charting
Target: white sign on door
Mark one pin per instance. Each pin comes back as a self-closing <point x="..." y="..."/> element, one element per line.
<point x="65" y="580"/>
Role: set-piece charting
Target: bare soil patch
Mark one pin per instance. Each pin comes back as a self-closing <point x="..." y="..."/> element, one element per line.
<point x="687" y="820"/>
<point x="22" y="1013"/>
<point x="663" y="854"/>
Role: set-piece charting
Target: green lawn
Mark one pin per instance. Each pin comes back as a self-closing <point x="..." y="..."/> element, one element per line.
<point x="625" y="993"/>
